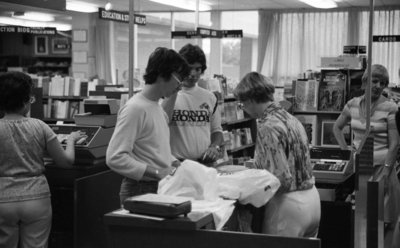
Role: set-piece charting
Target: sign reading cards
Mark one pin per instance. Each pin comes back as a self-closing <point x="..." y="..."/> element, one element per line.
<point x="386" y="38"/>
<point x="121" y="16"/>
<point x="27" y="30"/>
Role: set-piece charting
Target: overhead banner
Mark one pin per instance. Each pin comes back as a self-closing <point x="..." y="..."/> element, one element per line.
<point x="45" y="4"/>
<point x="120" y="16"/>
<point x="28" y="30"/>
<point x="386" y="38"/>
<point x="232" y="33"/>
<point x="206" y="33"/>
<point x="184" y="34"/>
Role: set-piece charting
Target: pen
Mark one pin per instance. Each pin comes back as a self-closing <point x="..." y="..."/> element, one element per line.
<point x="204" y="156"/>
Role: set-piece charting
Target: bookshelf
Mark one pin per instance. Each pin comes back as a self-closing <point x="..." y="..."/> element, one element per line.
<point x="49" y="65"/>
<point x="323" y="104"/>
<point x="239" y="129"/>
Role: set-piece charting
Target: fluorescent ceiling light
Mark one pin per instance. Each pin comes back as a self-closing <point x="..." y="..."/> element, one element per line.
<point x="321" y="4"/>
<point x="34" y="16"/>
<point x="185" y="4"/>
<point x="81" y="7"/>
<point x="26" y="23"/>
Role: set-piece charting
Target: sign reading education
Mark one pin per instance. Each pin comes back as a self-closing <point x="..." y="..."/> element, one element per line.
<point x="120" y="16"/>
<point x="386" y="38"/>
<point x="27" y="30"/>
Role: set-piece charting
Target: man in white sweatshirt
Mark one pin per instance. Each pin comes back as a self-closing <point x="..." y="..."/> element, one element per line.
<point x="139" y="149"/>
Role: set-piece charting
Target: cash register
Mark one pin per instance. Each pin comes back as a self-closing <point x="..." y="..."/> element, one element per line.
<point x="98" y="125"/>
<point x="331" y="164"/>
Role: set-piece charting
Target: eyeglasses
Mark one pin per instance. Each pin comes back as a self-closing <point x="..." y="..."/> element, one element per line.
<point x="177" y="79"/>
<point x="32" y="99"/>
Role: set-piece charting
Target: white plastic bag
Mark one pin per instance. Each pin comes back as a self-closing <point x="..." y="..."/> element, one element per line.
<point x="251" y="186"/>
<point x="191" y="179"/>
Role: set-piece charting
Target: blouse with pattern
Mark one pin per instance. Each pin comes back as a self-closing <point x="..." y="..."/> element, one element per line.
<point x="282" y="148"/>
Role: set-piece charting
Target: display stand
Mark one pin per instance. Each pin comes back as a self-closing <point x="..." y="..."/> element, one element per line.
<point x="124" y="231"/>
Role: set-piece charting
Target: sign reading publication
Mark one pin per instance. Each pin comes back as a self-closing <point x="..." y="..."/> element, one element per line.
<point x="27" y="30"/>
<point x="120" y="16"/>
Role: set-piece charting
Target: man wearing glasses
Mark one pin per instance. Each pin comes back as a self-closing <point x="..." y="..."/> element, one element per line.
<point x="195" y="119"/>
<point x="139" y="149"/>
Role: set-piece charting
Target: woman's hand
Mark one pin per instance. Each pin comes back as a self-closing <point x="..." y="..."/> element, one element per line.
<point x="77" y="137"/>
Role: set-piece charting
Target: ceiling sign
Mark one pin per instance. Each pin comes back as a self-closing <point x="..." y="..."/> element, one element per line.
<point x="27" y="30"/>
<point x="46" y="4"/>
<point x="184" y="34"/>
<point x="232" y="33"/>
<point x="386" y="38"/>
<point x="120" y="16"/>
<point x="206" y="33"/>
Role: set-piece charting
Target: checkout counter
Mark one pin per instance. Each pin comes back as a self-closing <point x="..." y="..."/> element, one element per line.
<point x="83" y="193"/>
<point x="192" y="231"/>
<point x="334" y="174"/>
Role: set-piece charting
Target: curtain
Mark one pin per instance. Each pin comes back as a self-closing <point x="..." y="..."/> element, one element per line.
<point x="386" y="22"/>
<point x="105" y="58"/>
<point x="290" y="43"/>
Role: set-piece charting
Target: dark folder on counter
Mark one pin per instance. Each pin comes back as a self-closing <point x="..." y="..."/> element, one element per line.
<point x="158" y="205"/>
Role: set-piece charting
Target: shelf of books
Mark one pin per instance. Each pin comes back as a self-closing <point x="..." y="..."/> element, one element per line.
<point x="317" y="103"/>
<point x="62" y="97"/>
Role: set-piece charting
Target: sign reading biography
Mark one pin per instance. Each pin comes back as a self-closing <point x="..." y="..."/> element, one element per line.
<point x="386" y="38"/>
<point x="28" y="30"/>
<point x="120" y="16"/>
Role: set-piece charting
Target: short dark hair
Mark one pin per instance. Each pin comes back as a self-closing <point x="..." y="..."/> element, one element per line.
<point x="16" y="88"/>
<point x="194" y="54"/>
<point x="163" y="62"/>
<point x="255" y="87"/>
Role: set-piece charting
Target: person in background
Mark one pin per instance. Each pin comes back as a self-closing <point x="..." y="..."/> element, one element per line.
<point x="383" y="129"/>
<point x="139" y="148"/>
<point x="282" y="148"/>
<point x="25" y="206"/>
<point x="195" y="122"/>
<point x="382" y="119"/>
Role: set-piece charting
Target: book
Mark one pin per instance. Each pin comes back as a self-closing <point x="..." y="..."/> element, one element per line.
<point x="331" y="95"/>
<point x="305" y="95"/>
<point x="310" y="125"/>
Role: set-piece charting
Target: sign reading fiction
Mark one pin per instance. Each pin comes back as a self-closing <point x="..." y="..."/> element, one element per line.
<point x="206" y="33"/>
<point x="120" y="16"/>
<point x="386" y="38"/>
<point x="27" y="30"/>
